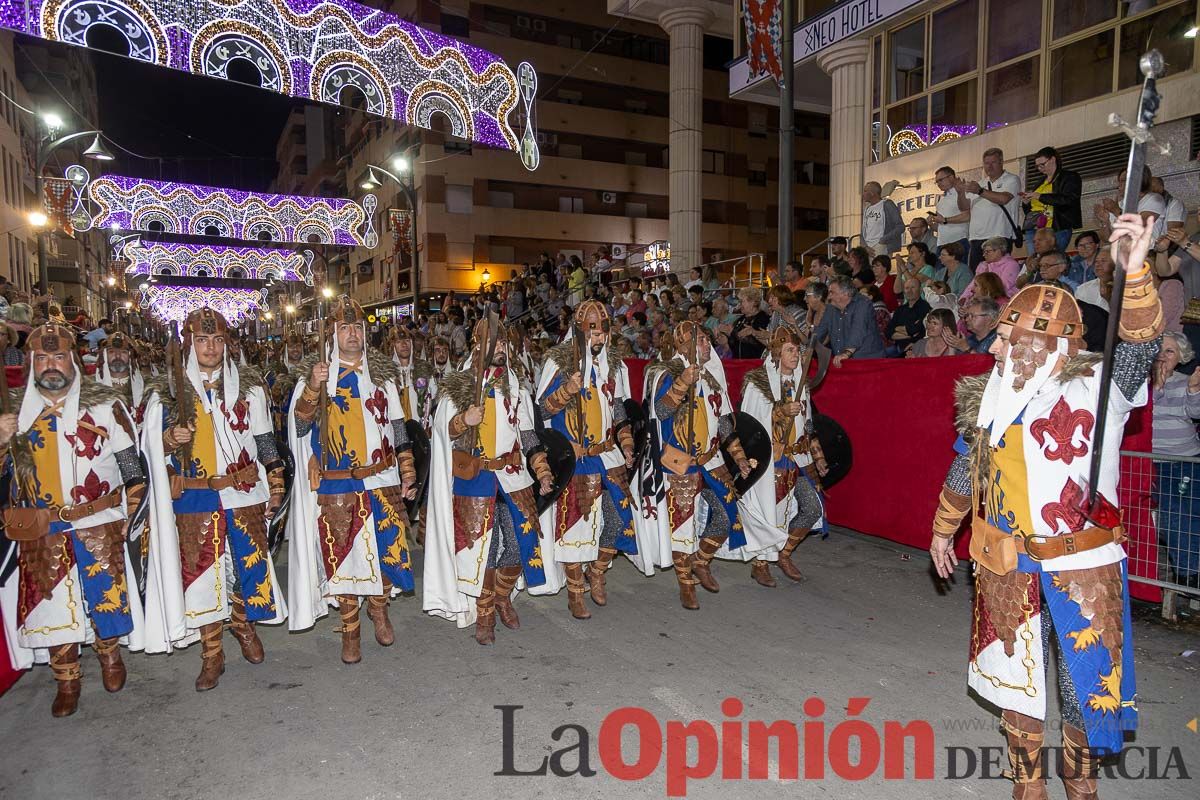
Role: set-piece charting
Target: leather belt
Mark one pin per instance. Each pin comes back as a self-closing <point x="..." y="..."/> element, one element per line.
<point x="247" y="474"/>
<point x="704" y="458"/>
<point x="593" y="450"/>
<point x="801" y="445"/>
<point x="500" y="462"/>
<point x="359" y="473"/>
<point x="1040" y="548"/>
<point x="82" y="510"/>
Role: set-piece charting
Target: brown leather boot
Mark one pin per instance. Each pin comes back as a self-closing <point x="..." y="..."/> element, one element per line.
<point x="1079" y="765"/>
<point x="243" y="631"/>
<point x="1028" y="769"/>
<point x="506" y="579"/>
<point x="64" y="663"/>
<point x="212" y="657"/>
<point x="377" y="610"/>
<point x="576" y="586"/>
<point x="700" y="561"/>
<point x="485" y="610"/>
<point x="596" y="575"/>
<point x="761" y="572"/>
<point x="786" y="566"/>
<point x="112" y="668"/>
<point x="351" y="625"/>
<point x="687" y="584"/>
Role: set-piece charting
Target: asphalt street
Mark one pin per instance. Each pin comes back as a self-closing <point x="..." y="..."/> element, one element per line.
<point x="419" y="719"/>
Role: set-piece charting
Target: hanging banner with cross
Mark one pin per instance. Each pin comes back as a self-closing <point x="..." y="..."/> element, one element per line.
<point x="57" y="194"/>
<point x="764" y="36"/>
<point x="400" y="222"/>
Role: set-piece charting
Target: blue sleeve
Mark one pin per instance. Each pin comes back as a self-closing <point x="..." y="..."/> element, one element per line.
<point x="961" y="447"/>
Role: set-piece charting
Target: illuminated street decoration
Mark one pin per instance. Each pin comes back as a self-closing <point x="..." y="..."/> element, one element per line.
<point x="917" y="137"/>
<point x="210" y="261"/>
<point x="657" y="260"/>
<point x="170" y="304"/>
<point x="312" y="49"/>
<point x="137" y="204"/>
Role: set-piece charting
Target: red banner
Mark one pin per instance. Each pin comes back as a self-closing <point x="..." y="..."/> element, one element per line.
<point x="764" y="37"/>
<point x="57" y="194"/>
<point x="400" y="223"/>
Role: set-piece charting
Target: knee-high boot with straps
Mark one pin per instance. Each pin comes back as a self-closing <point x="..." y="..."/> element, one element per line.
<point x="351" y="629"/>
<point x="112" y="668"/>
<point x="243" y="631"/>
<point x="576" y="586"/>
<point x="596" y="572"/>
<point x="212" y="656"/>
<point x="700" y="563"/>
<point x="506" y="579"/>
<point x="485" y="610"/>
<point x="785" y="556"/>
<point x="64" y="663"/>
<point x="377" y="611"/>
<point x="687" y="584"/>
<point x="1027" y="765"/>
<point x="1079" y="765"/>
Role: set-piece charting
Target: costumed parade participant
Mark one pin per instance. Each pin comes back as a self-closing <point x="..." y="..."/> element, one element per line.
<point x="72" y="449"/>
<point x="282" y="379"/>
<point x="483" y="532"/>
<point x="784" y="504"/>
<point x="415" y="380"/>
<point x="117" y="367"/>
<point x="1050" y="569"/>
<point x="347" y="529"/>
<point x="440" y="347"/>
<point x="697" y="504"/>
<point x="592" y="520"/>
<point x="216" y="479"/>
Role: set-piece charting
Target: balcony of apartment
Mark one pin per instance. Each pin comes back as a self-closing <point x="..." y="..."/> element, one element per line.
<point x="63" y="269"/>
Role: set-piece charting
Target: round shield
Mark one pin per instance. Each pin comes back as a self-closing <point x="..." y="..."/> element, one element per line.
<point x="836" y="446"/>
<point x="421" y="455"/>
<point x="756" y="444"/>
<point x="561" y="458"/>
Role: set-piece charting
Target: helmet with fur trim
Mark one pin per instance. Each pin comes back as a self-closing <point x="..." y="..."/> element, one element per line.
<point x="347" y="310"/>
<point x="592" y="315"/>
<point x="51" y="338"/>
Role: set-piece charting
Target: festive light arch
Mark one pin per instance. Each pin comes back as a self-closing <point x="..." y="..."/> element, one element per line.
<point x="311" y="49"/>
<point x="187" y="208"/>
<point x="209" y="261"/>
<point x="172" y="304"/>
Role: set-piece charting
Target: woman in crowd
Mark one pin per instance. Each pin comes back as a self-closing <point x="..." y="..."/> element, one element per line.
<point x="1177" y="483"/>
<point x="19" y="318"/>
<point x="784" y="309"/>
<point x="13" y="355"/>
<point x="815" y="298"/>
<point x="937" y="322"/>
<point x="858" y="259"/>
<point x="883" y="317"/>
<point x="985" y="284"/>
<point x="921" y="264"/>
<point x="958" y="274"/>
<point x="881" y="267"/>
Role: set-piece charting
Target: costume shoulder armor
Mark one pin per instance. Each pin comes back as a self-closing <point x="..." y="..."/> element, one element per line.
<point x="459" y="387"/>
<point x="757" y="378"/>
<point x="968" y="394"/>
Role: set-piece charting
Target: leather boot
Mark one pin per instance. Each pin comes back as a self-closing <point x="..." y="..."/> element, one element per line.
<point x="351" y="633"/>
<point x="761" y="572"/>
<point x="112" y="668"/>
<point x="785" y="556"/>
<point x="485" y="610"/>
<point x="377" y="610"/>
<point x="596" y="575"/>
<point x="64" y="663"/>
<point x="687" y="584"/>
<point x="506" y="579"/>
<point x="212" y="657"/>
<point x="1025" y="759"/>
<point x="576" y="586"/>
<point x="243" y="631"/>
<point x="1079" y="765"/>
<point x="700" y="561"/>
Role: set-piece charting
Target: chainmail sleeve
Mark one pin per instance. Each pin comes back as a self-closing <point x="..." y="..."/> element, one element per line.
<point x="131" y="466"/>
<point x="400" y="436"/>
<point x="618" y="412"/>
<point x="810" y="427"/>
<point x="725" y="427"/>
<point x="1131" y="365"/>
<point x="958" y="478"/>
<point x="268" y="452"/>
<point x="529" y="441"/>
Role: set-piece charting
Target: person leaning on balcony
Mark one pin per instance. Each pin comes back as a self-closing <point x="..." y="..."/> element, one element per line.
<point x="882" y="227"/>
<point x="994" y="205"/>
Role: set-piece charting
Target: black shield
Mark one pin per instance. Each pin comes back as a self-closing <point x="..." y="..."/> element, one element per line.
<point x="138" y="527"/>
<point x="756" y="444"/>
<point x="561" y="458"/>
<point x="8" y="548"/>
<point x="639" y="426"/>
<point x="420" y="453"/>
<point x="835" y="444"/>
<point x="277" y="527"/>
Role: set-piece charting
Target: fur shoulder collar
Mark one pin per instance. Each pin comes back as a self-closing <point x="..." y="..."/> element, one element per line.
<point x="757" y="378"/>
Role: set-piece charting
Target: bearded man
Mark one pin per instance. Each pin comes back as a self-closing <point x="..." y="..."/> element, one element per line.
<point x="76" y="478"/>
<point x="348" y="528"/>
<point x="1050" y="569"/>
<point x="442" y="367"/>
<point x="414" y="379"/>
<point x="216" y="480"/>
<point x="117" y="366"/>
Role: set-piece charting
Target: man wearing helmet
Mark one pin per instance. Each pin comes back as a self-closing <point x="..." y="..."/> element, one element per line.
<point x="216" y="479"/>
<point x="415" y="379"/>
<point x="117" y="367"/>
<point x="1050" y="568"/>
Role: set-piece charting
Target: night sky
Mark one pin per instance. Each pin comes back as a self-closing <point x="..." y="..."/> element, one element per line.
<point x="206" y="130"/>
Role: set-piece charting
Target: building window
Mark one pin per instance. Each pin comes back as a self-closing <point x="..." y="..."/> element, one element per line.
<point x="1165" y="30"/>
<point x="636" y="210"/>
<point x="635" y="159"/>
<point x="1014" y="29"/>
<point x="756" y="220"/>
<point x="907" y="47"/>
<point x="713" y="162"/>
<point x="570" y="151"/>
<point x="955" y="40"/>
<point x="459" y="199"/>
<point x="1012" y="93"/>
<point x="1081" y="70"/>
<point x="757" y="177"/>
<point x="1072" y="16"/>
<point x="570" y="205"/>
<point x="454" y="25"/>
<point x="570" y="97"/>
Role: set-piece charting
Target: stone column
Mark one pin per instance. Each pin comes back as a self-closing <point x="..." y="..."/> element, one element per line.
<point x="849" y="128"/>
<point x="685" y="26"/>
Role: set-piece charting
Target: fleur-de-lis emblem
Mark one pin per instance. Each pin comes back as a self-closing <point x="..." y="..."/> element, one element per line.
<point x="1061" y="426"/>
<point x="1068" y="510"/>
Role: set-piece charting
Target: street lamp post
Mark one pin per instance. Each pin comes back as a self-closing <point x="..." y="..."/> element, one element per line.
<point x="47" y="143"/>
<point x="403" y="165"/>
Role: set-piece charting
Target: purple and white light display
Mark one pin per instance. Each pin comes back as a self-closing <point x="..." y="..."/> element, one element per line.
<point x="311" y="49"/>
<point x="165" y="259"/>
<point x="138" y="204"/>
<point x="916" y="137"/>
<point x="173" y="303"/>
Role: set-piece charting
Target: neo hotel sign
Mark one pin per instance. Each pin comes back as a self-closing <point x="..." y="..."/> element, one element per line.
<point x="815" y="34"/>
